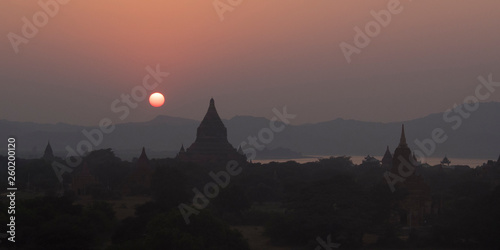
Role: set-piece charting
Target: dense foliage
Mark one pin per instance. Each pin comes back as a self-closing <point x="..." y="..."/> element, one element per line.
<point x="296" y="203"/>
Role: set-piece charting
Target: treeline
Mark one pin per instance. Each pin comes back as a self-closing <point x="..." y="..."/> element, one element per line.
<point x="296" y="203"/>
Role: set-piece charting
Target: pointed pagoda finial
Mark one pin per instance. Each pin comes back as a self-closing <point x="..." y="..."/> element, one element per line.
<point x="143" y="157"/>
<point x="402" y="140"/>
<point x="143" y="154"/>
<point x="446" y="160"/>
<point x="212" y="111"/>
<point x="182" y="149"/>
<point x="387" y="153"/>
<point x="48" y="154"/>
<point x="387" y="159"/>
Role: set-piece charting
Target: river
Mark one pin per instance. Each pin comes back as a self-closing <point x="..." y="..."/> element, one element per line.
<point x="358" y="159"/>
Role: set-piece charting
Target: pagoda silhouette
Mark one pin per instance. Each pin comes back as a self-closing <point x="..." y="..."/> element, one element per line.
<point x="445" y="161"/>
<point x="139" y="179"/>
<point x="387" y="159"/>
<point x="48" y="154"/>
<point x="416" y="206"/>
<point x="211" y="144"/>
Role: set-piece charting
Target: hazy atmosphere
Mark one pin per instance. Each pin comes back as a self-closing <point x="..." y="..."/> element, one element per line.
<point x="249" y="124"/>
<point x="263" y="54"/>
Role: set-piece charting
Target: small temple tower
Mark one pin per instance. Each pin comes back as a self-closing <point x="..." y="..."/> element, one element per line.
<point x="445" y="161"/>
<point x="211" y="144"/>
<point x="139" y="180"/>
<point x="387" y="159"/>
<point x="414" y="208"/>
<point x="48" y="155"/>
<point x="142" y="173"/>
<point x="182" y="151"/>
<point x="402" y="152"/>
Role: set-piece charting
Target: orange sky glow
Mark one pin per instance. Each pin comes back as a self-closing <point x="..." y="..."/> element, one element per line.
<point x="264" y="54"/>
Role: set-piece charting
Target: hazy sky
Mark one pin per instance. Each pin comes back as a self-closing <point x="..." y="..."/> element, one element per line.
<point x="264" y="54"/>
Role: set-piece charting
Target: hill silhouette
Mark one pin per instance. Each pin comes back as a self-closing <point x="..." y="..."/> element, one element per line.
<point x="477" y="137"/>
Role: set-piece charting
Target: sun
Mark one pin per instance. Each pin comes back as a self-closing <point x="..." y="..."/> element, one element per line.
<point x="156" y="100"/>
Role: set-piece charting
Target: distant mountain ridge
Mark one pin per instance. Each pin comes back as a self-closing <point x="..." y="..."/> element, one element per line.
<point x="477" y="137"/>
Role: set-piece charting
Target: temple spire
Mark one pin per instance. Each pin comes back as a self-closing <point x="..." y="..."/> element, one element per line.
<point x="211" y="143"/>
<point x="48" y="154"/>
<point x="387" y="159"/>
<point x="211" y="126"/>
<point x="143" y="156"/>
<point x="388" y="153"/>
<point x="212" y="111"/>
<point x="445" y="160"/>
<point x="143" y="153"/>
<point x="402" y="140"/>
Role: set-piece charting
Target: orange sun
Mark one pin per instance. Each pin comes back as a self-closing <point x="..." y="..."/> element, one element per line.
<point x="156" y="99"/>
